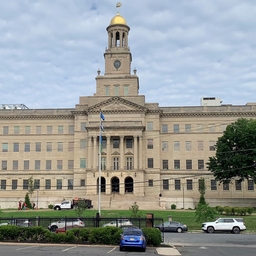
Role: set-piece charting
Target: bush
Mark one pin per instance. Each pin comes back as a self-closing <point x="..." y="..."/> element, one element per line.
<point x="250" y="210"/>
<point x="173" y="206"/>
<point x="228" y="210"/>
<point x="153" y="236"/>
<point x="50" y="206"/>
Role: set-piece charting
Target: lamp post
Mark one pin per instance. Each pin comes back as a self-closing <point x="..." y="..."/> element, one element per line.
<point x="37" y="199"/>
<point x="183" y="196"/>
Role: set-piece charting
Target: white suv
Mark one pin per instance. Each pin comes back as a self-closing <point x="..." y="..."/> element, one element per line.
<point x="235" y="225"/>
<point x="118" y="223"/>
<point x="66" y="223"/>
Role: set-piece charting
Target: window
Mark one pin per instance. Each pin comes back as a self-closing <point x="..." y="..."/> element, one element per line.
<point x="25" y="184"/>
<point x="213" y="185"/>
<point x="176" y="164"/>
<point x="37" y="164"/>
<point x="70" y="184"/>
<point x="83" y="163"/>
<point x="38" y="146"/>
<point x="103" y="163"/>
<point x="83" y="144"/>
<point x="176" y="128"/>
<point x="27" y="129"/>
<point x="48" y="184"/>
<point x="82" y="183"/>
<point x="212" y="145"/>
<point x="36" y="184"/>
<point x="27" y="147"/>
<point x="116" y="163"/>
<point x="150" y="163"/>
<point x="177" y="184"/>
<point x="38" y="129"/>
<point x="4" y="164"/>
<point x="15" y="164"/>
<point x="16" y="147"/>
<point x="199" y="128"/>
<point x="176" y="146"/>
<point x="71" y="146"/>
<point x="166" y="184"/>
<point x="165" y="164"/>
<point x="238" y="185"/>
<point x="60" y="129"/>
<point x="225" y="186"/>
<point x="48" y="164"/>
<point x="16" y="130"/>
<point x="129" y="163"/>
<point x="104" y="143"/>
<point x="188" y="145"/>
<point x="26" y="164"/>
<point x="70" y="164"/>
<point x="3" y="184"/>
<point x="6" y="130"/>
<point x="59" y="184"/>
<point x="49" y="146"/>
<point x="116" y="88"/>
<point x="14" y="184"/>
<point x="128" y="142"/>
<point x="211" y="127"/>
<point x="200" y="146"/>
<point x="49" y="129"/>
<point x="164" y="128"/>
<point x="71" y="129"/>
<point x="150" y="143"/>
<point x="188" y="164"/>
<point x="126" y="90"/>
<point x="150" y="126"/>
<point x="189" y="185"/>
<point x="200" y="164"/>
<point x="4" y="147"/>
<point x="107" y="90"/>
<point x="59" y="164"/>
<point x="83" y="127"/>
<point x="165" y="146"/>
<point x="250" y="185"/>
<point x="60" y="146"/>
<point x="151" y="183"/>
<point x="116" y="143"/>
<point x="187" y="128"/>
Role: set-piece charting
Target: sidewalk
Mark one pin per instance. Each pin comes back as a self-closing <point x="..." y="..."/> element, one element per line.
<point x="167" y="251"/>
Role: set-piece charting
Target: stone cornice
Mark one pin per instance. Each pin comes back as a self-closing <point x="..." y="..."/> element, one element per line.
<point x="110" y="128"/>
<point x="208" y="114"/>
<point x="35" y="117"/>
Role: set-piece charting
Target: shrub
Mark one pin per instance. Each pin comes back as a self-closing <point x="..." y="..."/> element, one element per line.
<point x="227" y="210"/>
<point x="219" y="209"/>
<point x="50" y="206"/>
<point x="205" y="213"/>
<point x="250" y="210"/>
<point x="173" y="206"/>
<point x="153" y="236"/>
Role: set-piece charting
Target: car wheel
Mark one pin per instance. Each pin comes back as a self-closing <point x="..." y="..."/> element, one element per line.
<point x="53" y="228"/>
<point x="179" y="230"/>
<point x="236" y="230"/>
<point x="143" y="249"/>
<point x="120" y="248"/>
<point x="210" y="230"/>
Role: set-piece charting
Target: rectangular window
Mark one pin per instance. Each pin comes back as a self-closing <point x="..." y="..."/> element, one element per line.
<point x="150" y="143"/>
<point x="16" y="130"/>
<point x="164" y="128"/>
<point x="199" y="128"/>
<point x="71" y="146"/>
<point x="129" y="163"/>
<point x="165" y="164"/>
<point x="176" y="128"/>
<point x="238" y="185"/>
<point x="104" y="143"/>
<point x="116" y="163"/>
<point x="37" y="164"/>
<point x="212" y="145"/>
<point x="83" y="163"/>
<point x="150" y="163"/>
<point x="48" y="164"/>
<point x="27" y="129"/>
<point x="59" y="164"/>
<point x="200" y="146"/>
<point x="164" y="146"/>
<point x="83" y="127"/>
<point x="4" y="147"/>
<point x="250" y="185"/>
<point x="48" y="184"/>
<point x="116" y="88"/>
<point x="49" y="129"/>
<point x="14" y="184"/>
<point x="6" y="130"/>
<point x="49" y="146"/>
<point x="4" y="164"/>
<point x="3" y="184"/>
<point x="27" y="147"/>
<point x="213" y="185"/>
<point x="189" y="185"/>
<point x="225" y="186"/>
<point x="60" y="146"/>
<point x="26" y="164"/>
<point x="15" y="165"/>
<point x="25" y="184"/>
<point x="126" y="90"/>
<point x="188" y="145"/>
<point x="166" y="184"/>
<point x="187" y="128"/>
<point x="176" y="146"/>
<point x="38" y="129"/>
<point x="128" y="142"/>
<point x="16" y="147"/>
<point x="116" y="143"/>
<point x="71" y="129"/>
<point x="83" y="144"/>
<point x="177" y="184"/>
<point x="151" y="183"/>
<point x="60" y="129"/>
<point x="36" y="184"/>
<point x="59" y="184"/>
<point x="150" y="126"/>
<point x="177" y="164"/>
<point x="70" y="164"/>
<point x="103" y="163"/>
<point x="211" y="127"/>
<point x="188" y="164"/>
<point x="200" y="164"/>
<point x="82" y="183"/>
<point x="38" y="146"/>
<point x="107" y="90"/>
<point x="70" y="184"/>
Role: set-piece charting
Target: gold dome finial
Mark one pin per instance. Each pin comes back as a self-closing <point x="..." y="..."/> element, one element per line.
<point x="118" y="19"/>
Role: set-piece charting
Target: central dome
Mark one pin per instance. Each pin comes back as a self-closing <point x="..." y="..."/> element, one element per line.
<point x="118" y="19"/>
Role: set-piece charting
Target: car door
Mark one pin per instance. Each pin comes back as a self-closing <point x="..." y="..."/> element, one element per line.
<point x="173" y="226"/>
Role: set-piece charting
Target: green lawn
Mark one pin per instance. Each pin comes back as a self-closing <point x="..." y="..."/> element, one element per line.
<point x="185" y="216"/>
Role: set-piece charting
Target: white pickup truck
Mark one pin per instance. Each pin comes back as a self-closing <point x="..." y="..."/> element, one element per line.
<point x="70" y="204"/>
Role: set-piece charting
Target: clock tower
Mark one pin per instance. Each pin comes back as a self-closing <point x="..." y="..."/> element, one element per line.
<point x="117" y="80"/>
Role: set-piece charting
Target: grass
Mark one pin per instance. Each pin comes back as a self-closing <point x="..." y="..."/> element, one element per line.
<point x="184" y="216"/>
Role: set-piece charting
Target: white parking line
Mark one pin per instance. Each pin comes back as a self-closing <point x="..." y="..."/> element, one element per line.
<point x="70" y="248"/>
<point x="112" y="250"/>
<point x="24" y="248"/>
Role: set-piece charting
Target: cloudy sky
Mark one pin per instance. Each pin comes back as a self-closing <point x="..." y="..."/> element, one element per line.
<point x="50" y="50"/>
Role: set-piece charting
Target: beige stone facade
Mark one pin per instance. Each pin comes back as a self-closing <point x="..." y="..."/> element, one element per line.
<point x="147" y="150"/>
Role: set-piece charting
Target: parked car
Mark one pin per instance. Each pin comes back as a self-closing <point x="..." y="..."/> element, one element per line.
<point x="118" y="223"/>
<point x="65" y="229"/>
<point x="18" y="222"/>
<point x="65" y="223"/>
<point x="172" y="226"/>
<point x="235" y="225"/>
<point x="133" y="238"/>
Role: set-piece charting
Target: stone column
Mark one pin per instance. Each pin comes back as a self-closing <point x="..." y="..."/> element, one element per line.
<point x="121" y="153"/>
<point x="135" y="160"/>
<point x="108" y="160"/>
<point x="95" y="152"/>
<point x="140" y="153"/>
<point x="89" y="150"/>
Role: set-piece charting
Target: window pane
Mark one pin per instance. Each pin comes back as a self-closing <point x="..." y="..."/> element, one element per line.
<point x="188" y="164"/>
<point x="48" y="164"/>
<point x="3" y="184"/>
<point x="83" y="127"/>
<point x="59" y="164"/>
<point x="60" y="146"/>
<point x="165" y="164"/>
<point x="166" y="184"/>
<point x="188" y="145"/>
<point x="176" y="146"/>
<point x="49" y="146"/>
<point x="250" y="185"/>
<point x="189" y="185"/>
<point x="70" y="164"/>
<point x="200" y="164"/>
<point x="176" y="164"/>
<point x="150" y="143"/>
<point x="36" y="184"/>
<point x="60" y="129"/>
<point x="213" y="185"/>
<point x="37" y="164"/>
<point x="27" y="147"/>
<point x="164" y="128"/>
<point x="150" y="163"/>
<point x="4" y="147"/>
<point x="16" y="146"/>
<point x="38" y="146"/>
<point x="71" y="129"/>
<point x="176" y="128"/>
<point x="25" y="184"/>
<point x="27" y="129"/>
<point x="187" y="128"/>
<point x="164" y="146"/>
<point x="16" y="130"/>
<point x="200" y="146"/>
<point x="59" y="184"/>
<point x="82" y="143"/>
<point x="49" y="129"/>
<point x="6" y="130"/>
<point x="238" y="185"/>
<point x="26" y="164"/>
<point x="129" y="143"/>
<point x="115" y="143"/>
<point x="82" y="183"/>
<point x="15" y="164"/>
<point x="225" y="186"/>
<point x="177" y="184"/>
<point x="47" y="184"/>
<point x="212" y="145"/>
<point x="71" y="146"/>
<point x="38" y="129"/>
<point x="83" y="163"/>
<point x="4" y="164"/>
<point x="14" y="184"/>
<point x="150" y="126"/>
<point x="150" y="183"/>
<point x="70" y="184"/>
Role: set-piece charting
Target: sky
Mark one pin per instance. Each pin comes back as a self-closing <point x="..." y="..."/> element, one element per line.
<point x="50" y="50"/>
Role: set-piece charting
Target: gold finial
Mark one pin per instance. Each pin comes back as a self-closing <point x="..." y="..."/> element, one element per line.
<point x="118" y="5"/>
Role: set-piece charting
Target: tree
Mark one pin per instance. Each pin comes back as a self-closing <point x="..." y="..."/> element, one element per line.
<point x="205" y="213"/>
<point x="27" y="201"/>
<point x="235" y="156"/>
<point x="202" y="189"/>
<point x="134" y="210"/>
<point x="31" y="185"/>
<point x="81" y="207"/>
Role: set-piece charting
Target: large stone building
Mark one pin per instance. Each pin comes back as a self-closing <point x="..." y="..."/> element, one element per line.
<point x="150" y="154"/>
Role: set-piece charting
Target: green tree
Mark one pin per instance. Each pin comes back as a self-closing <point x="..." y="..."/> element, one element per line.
<point x="27" y="201"/>
<point x="202" y="189"/>
<point x="80" y="207"/>
<point x="205" y="213"/>
<point x="134" y="210"/>
<point x="235" y="156"/>
<point x="31" y="185"/>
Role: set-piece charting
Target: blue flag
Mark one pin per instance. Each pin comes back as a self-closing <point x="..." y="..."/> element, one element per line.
<point x="102" y="116"/>
<point x="102" y="128"/>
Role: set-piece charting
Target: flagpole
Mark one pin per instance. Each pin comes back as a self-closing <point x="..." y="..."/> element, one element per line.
<point x="100" y="141"/>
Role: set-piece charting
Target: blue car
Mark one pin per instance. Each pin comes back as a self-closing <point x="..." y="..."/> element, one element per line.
<point x="133" y="238"/>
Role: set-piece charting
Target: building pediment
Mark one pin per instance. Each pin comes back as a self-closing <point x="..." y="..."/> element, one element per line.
<point x="115" y="153"/>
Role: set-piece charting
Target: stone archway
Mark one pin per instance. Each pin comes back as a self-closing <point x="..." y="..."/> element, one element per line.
<point x="115" y="185"/>
<point x="128" y="185"/>
<point x="103" y="185"/>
